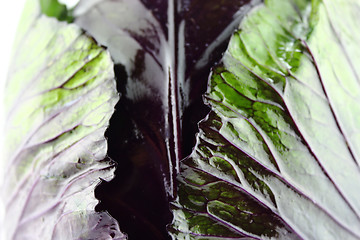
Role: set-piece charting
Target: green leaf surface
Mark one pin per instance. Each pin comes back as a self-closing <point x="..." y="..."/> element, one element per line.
<point x="278" y="155"/>
<point x="53" y="8"/>
<point x="60" y="95"/>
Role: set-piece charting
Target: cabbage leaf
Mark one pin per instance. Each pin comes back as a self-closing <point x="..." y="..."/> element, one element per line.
<point x="60" y="94"/>
<point x="278" y="155"/>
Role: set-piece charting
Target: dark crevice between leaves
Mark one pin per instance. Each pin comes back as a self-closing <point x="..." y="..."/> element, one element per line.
<point x="137" y="197"/>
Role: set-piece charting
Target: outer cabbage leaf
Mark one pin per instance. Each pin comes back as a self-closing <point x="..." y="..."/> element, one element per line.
<point x="60" y="95"/>
<point x="278" y="155"/>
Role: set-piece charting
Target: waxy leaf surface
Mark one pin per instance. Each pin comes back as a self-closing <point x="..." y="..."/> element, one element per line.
<point x="165" y="49"/>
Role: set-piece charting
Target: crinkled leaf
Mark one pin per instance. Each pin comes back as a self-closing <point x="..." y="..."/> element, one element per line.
<point x="60" y="95"/>
<point x="278" y="156"/>
<point x="166" y="49"/>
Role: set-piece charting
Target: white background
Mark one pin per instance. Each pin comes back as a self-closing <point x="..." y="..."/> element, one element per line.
<point x="9" y="18"/>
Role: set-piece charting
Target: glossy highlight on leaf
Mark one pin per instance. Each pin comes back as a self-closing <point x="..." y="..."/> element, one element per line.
<point x="60" y="94"/>
<point x="165" y="50"/>
<point x="278" y="155"/>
